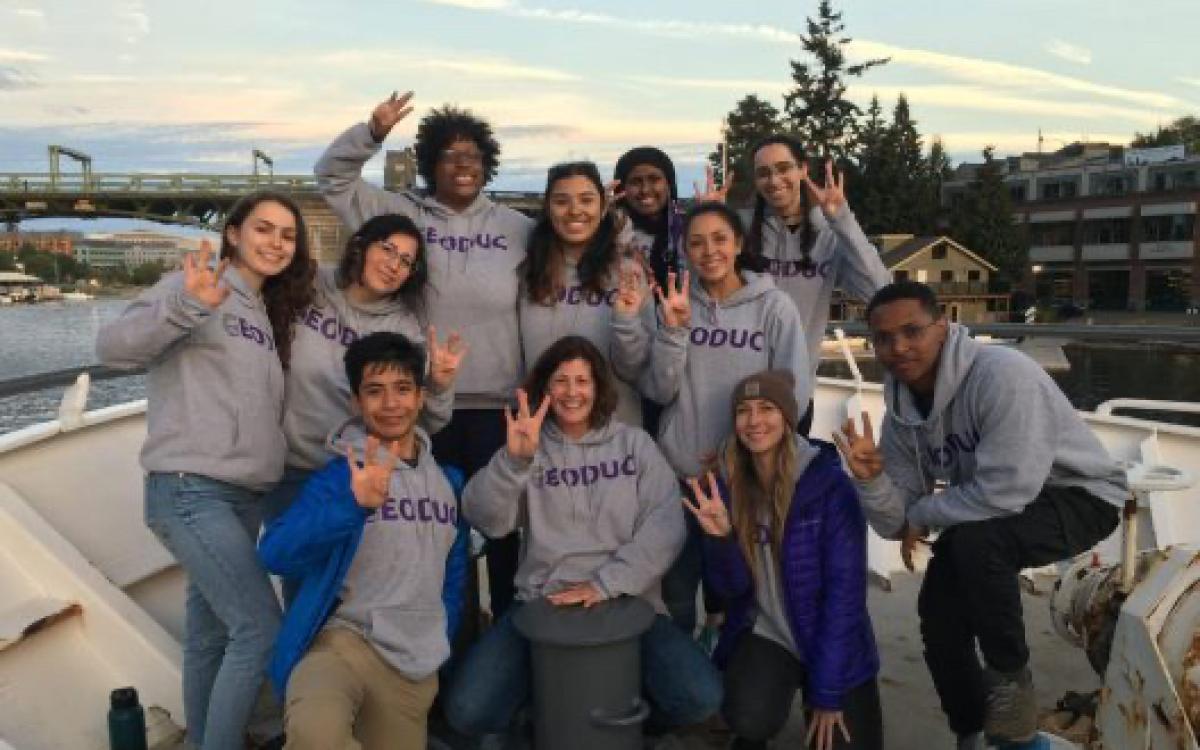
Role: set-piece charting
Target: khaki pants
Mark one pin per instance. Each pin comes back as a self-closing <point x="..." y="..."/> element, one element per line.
<point x="344" y="696"/>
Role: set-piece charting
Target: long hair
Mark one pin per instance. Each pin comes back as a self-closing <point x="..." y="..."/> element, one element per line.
<point x="751" y="500"/>
<point x="350" y="267"/>
<point x="754" y="237"/>
<point x="664" y="257"/>
<point x="286" y="294"/>
<point x="564" y="350"/>
<point x="542" y="269"/>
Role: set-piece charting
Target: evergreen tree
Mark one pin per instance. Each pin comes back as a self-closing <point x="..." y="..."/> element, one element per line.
<point x="816" y="108"/>
<point x="750" y="121"/>
<point x="868" y="194"/>
<point x="935" y="170"/>
<point x="983" y="221"/>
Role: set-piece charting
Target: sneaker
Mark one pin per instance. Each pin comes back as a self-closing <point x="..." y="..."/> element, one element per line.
<point x="1011" y="711"/>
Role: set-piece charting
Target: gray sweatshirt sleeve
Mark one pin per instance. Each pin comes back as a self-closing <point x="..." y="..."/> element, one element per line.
<point x="494" y="499"/>
<point x="660" y="382"/>
<point x="886" y="499"/>
<point x="659" y="533"/>
<point x="860" y="271"/>
<point x="438" y="409"/>
<point x="1018" y="434"/>
<point x="788" y="345"/>
<point x="160" y="317"/>
<point x="629" y="348"/>
<point x="339" y="177"/>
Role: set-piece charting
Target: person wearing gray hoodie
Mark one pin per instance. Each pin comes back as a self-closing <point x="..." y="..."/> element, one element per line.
<point x="807" y="238"/>
<point x="731" y="324"/>
<point x="215" y="342"/>
<point x="377" y="286"/>
<point x="1026" y="484"/>
<point x="475" y="247"/>
<point x="571" y="277"/>
<point x="598" y="507"/>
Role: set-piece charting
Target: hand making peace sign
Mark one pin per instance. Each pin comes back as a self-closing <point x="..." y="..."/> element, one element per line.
<point x="710" y="191"/>
<point x="524" y="428"/>
<point x="862" y="456"/>
<point x="202" y="282"/>
<point x="389" y="112"/>
<point x="832" y="195"/>
<point x="709" y="510"/>
<point x="631" y="288"/>
<point x="370" y="481"/>
<point x="444" y="360"/>
<point x="676" y="305"/>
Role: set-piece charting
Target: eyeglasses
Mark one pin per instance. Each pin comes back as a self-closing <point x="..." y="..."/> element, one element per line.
<point x="393" y="255"/>
<point x="910" y="334"/>
<point x="780" y="168"/>
<point x="460" y="158"/>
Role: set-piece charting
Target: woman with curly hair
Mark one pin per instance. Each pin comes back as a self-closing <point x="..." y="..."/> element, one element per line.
<point x="377" y="286"/>
<point x="215" y="342"/>
<point x="475" y="247"/>
<point x="572" y="274"/>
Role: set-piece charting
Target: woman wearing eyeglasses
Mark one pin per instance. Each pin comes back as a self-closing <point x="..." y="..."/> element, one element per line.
<point x="474" y="247"/>
<point x="806" y="237"/>
<point x="570" y="280"/>
<point x="377" y="286"/>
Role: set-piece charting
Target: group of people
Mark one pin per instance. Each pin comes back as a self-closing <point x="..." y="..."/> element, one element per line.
<point x="618" y="396"/>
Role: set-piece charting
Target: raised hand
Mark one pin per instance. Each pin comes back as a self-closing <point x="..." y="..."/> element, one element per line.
<point x="584" y="593"/>
<point x="444" y="360"/>
<point x="613" y="192"/>
<point x="821" y="725"/>
<point x="676" y="305"/>
<point x="389" y="112"/>
<point x="832" y="195"/>
<point x="524" y="428"/>
<point x="711" y="192"/>
<point x="202" y="282"/>
<point x="632" y="291"/>
<point x="862" y="456"/>
<point x="709" y="510"/>
<point x="370" y="481"/>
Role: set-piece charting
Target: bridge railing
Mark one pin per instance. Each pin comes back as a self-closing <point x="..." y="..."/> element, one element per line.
<point x="42" y="183"/>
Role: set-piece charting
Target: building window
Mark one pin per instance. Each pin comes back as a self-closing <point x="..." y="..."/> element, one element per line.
<point x="1059" y="189"/>
<point x="1177" y="228"/>
<point x="939" y="252"/>
<point x="1106" y="232"/>
<point x="947" y="276"/>
<point x="899" y="275"/>
<point x="973" y="275"/>
<point x="1052" y="233"/>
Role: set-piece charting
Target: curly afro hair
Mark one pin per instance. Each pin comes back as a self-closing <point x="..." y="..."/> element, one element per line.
<point x="442" y="127"/>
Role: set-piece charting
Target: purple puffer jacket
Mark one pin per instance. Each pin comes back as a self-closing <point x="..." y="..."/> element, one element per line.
<point x="823" y="571"/>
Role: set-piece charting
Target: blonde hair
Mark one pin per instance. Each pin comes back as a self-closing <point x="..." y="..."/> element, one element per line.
<point x="750" y="500"/>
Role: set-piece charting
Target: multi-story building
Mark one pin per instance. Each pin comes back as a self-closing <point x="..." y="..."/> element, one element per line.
<point x="61" y="243"/>
<point x="1108" y="227"/>
<point x="132" y="249"/>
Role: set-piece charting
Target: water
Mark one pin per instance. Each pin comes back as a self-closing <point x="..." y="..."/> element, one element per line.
<point x="56" y="336"/>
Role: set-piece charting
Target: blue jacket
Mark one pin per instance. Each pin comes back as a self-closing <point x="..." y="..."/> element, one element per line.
<point x="315" y="540"/>
<point x="823" y="572"/>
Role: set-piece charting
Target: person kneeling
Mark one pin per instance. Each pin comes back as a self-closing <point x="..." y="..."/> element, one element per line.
<point x="598" y="508"/>
<point x="377" y="540"/>
<point x="786" y="544"/>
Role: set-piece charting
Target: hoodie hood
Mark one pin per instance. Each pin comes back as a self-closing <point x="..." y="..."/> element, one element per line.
<point x="353" y="433"/>
<point x="754" y="287"/>
<point x="954" y="363"/>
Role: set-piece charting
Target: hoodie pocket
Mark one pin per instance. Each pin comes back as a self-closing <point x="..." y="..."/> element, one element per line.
<point x="413" y="638"/>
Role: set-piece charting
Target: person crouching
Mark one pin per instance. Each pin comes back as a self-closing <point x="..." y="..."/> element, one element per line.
<point x="377" y="538"/>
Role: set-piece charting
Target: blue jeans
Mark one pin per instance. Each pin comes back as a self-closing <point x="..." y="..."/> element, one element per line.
<point x="232" y="614"/>
<point x="274" y="503"/>
<point x="492" y="683"/>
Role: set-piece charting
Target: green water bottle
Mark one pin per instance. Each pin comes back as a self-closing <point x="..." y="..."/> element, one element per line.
<point x="126" y="720"/>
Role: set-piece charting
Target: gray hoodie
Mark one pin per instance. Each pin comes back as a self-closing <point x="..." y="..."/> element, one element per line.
<point x="214" y="381"/>
<point x="392" y="593"/>
<point x="841" y="258"/>
<point x="473" y="256"/>
<point x="693" y="370"/>
<point x="317" y="392"/>
<point x="998" y="431"/>
<point x="580" y="312"/>
<point x="603" y="509"/>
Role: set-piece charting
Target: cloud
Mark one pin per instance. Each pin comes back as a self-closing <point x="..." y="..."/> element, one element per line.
<point x="740" y="85"/>
<point x="14" y="78"/>
<point x="21" y="56"/>
<point x="1069" y="52"/>
<point x="474" y="4"/>
<point x="495" y="68"/>
<point x="517" y="132"/>
<point x="1189" y="81"/>
<point x="34" y="13"/>
<point x="986" y="99"/>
